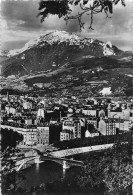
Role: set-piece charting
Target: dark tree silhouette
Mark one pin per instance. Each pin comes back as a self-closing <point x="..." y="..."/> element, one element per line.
<point x="10" y="178"/>
<point x="62" y="8"/>
<point x="9" y="138"/>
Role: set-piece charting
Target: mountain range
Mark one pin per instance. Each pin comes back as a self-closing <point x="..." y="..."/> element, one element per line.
<point x="64" y="61"/>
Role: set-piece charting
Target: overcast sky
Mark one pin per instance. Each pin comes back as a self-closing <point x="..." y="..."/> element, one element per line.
<point x="19" y="24"/>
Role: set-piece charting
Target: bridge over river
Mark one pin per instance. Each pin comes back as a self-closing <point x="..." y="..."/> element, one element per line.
<point x="66" y="163"/>
<point x="59" y="156"/>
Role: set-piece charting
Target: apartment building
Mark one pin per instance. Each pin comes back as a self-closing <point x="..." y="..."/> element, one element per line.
<point x="107" y="126"/>
<point x="92" y="120"/>
<point x="74" y="126"/>
<point x="43" y="135"/>
<point x="66" y="135"/>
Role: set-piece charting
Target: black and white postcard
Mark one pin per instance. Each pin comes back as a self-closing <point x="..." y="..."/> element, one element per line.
<point x="66" y="95"/>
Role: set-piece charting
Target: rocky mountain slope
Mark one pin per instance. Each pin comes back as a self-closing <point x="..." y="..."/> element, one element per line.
<point x="53" y="50"/>
<point x="62" y="61"/>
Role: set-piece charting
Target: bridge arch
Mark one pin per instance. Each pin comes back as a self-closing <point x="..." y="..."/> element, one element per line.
<point x="25" y="161"/>
<point x="66" y="163"/>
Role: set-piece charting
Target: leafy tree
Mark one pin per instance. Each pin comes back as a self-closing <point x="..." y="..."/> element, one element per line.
<point x="9" y="176"/>
<point x="91" y="141"/>
<point x="117" y="173"/>
<point x="9" y="138"/>
<point x="110" y="170"/>
<point x="91" y="176"/>
<point x="118" y="177"/>
<point x="63" y="9"/>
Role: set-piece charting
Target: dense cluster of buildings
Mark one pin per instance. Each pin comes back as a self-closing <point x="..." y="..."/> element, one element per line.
<point x="45" y="120"/>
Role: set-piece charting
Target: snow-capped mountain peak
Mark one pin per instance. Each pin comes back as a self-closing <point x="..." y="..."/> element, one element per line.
<point x="59" y="37"/>
<point x="51" y="38"/>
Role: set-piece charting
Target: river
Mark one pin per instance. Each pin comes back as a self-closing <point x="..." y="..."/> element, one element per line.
<point x="43" y="172"/>
<point x="47" y="171"/>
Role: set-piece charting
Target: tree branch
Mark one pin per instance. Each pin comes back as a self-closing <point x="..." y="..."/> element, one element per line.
<point x="62" y="9"/>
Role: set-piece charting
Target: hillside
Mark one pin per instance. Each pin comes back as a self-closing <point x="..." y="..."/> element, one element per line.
<point x="66" y="62"/>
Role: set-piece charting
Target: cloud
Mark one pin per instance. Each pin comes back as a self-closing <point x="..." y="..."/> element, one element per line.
<point x="19" y="22"/>
<point x="21" y="10"/>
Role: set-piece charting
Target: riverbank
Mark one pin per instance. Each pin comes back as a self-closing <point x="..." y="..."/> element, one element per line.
<point x="39" y="147"/>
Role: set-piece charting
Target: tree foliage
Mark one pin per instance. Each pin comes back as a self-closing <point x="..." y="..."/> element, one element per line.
<point x="92" y="141"/>
<point x="111" y="169"/>
<point x="117" y="173"/>
<point x="9" y="176"/>
<point x="87" y="7"/>
<point x="9" y="138"/>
